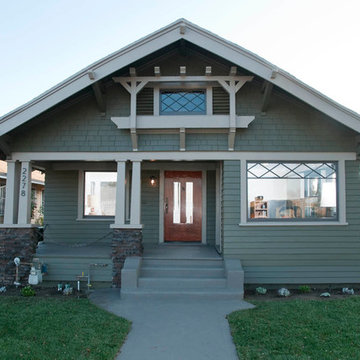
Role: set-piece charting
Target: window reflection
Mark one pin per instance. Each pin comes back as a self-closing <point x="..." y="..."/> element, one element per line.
<point x="189" y="203"/>
<point x="100" y="193"/>
<point x="177" y="202"/>
<point x="292" y="190"/>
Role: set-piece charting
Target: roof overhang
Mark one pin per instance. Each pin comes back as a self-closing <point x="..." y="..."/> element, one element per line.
<point x="180" y="29"/>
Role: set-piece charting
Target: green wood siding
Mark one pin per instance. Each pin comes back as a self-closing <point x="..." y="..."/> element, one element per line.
<point x="61" y="204"/>
<point x="306" y="254"/>
<point x="150" y="207"/>
<point x="210" y="207"/>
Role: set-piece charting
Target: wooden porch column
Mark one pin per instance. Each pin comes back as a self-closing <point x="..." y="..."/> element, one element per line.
<point x="12" y="192"/>
<point x="135" y="211"/>
<point x="24" y="212"/>
<point x="120" y="194"/>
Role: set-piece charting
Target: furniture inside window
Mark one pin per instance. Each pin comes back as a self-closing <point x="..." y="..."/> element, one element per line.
<point x="99" y="193"/>
<point x="292" y="190"/>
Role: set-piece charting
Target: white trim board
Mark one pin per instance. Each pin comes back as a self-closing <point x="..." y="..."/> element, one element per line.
<point x="180" y="29"/>
<point x="181" y="121"/>
<point x="182" y="156"/>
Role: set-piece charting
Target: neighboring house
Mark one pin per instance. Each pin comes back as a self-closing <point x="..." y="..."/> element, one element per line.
<point x="37" y="193"/>
<point x="184" y="137"/>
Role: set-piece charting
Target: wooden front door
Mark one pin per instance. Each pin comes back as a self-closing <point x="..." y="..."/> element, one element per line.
<point x="182" y="206"/>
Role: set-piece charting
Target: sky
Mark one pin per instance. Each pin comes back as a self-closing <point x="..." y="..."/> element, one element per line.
<point x="43" y="42"/>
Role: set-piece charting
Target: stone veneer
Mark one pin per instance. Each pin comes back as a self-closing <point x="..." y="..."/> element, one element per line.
<point x="16" y="242"/>
<point x="125" y="242"/>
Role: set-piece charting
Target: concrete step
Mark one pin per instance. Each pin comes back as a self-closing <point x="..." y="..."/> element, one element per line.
<point x="214" y="294"/>
<point x="147" y="262"/>
<point x="180" y="283"/>
<point x="183" y="271"/>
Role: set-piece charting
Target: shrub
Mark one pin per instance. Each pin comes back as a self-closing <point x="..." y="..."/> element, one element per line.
<point x="261" y="290"/>
<point x="27" y="291"/>
<point x="304" y="289"/>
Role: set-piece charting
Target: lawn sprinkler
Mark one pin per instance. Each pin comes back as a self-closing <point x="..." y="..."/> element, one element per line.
<point x="17" y="264"/>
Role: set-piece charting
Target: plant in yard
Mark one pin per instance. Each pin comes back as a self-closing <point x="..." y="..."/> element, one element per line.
<point x="261" y="290"/>
<point x="27" y="291"/>
<point x="283" y="292"/>
<point x="304" y="289"/>
<point x="325" y="294"/>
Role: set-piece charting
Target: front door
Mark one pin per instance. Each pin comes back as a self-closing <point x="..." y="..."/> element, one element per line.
<point x="183" y="206"/>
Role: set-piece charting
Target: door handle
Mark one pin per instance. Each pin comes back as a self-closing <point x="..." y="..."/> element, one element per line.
<point x="166" y="206"/>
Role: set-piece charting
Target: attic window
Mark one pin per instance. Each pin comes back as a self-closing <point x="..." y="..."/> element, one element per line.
<point x="182" y="102"/>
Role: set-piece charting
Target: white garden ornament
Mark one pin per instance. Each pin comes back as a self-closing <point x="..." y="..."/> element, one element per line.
<point x="284" y="292"/>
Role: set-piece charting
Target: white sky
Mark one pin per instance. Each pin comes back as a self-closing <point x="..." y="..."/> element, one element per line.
<point x="43" y="42"/>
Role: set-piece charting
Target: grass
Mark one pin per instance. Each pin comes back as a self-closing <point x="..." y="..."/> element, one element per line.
<point x="298" y="329"/>
<point x="38" y="328"/>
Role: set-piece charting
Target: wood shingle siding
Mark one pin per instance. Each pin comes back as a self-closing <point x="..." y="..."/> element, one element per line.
<point x="296" y="254"/>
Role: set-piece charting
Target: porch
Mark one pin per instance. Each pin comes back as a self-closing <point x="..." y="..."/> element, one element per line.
<point x="78" y="240"/>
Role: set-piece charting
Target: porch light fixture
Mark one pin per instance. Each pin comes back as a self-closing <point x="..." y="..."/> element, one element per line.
<point x="152" y="180"/>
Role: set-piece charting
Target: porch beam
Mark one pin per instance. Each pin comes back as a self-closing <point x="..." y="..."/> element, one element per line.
<point x="183" y="156"/>
<point x="24" y="211"/>
<point x="12" y="192"/>
<point x="135" y="208"/>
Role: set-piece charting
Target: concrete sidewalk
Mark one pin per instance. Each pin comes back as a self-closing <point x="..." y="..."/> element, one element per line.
<point x="170" y="328"/>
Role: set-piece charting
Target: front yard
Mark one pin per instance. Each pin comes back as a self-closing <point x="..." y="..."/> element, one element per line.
<point x="298" y="329"/>
<point x="64" y="328"/>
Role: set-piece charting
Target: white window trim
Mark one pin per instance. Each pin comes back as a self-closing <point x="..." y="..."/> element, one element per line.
<point x="185" y="86"/>
<point x="244" y="221"/>
<point x="80" y="211"/>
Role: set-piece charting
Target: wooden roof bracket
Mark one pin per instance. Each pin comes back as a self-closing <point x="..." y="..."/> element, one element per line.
<point x="99" y="96"/>
<point x="266" y="96"/>
<point x="232" y="87"/>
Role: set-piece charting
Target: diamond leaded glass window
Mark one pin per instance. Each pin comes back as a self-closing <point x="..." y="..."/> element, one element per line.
<point x="292" y="190"/>
<point x="182" y="102"/>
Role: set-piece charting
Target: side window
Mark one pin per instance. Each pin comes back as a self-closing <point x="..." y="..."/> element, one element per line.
<point x="99" y="193"/>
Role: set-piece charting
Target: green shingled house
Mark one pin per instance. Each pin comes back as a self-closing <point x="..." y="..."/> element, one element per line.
<point x="184" y="162"/>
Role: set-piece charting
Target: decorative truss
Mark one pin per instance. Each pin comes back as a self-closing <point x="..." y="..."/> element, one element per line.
<point x="204" y="119"/>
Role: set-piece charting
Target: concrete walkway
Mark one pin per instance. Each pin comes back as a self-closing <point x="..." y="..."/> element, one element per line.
<point x="171" y="328"/>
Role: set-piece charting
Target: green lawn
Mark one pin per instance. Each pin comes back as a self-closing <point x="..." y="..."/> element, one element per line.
<point x="38" y="328"/>
<point x="298" y="329"/>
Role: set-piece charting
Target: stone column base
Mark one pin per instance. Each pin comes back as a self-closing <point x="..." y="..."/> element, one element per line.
<point x="16" y="242"/>
<point x="125" y="242"/>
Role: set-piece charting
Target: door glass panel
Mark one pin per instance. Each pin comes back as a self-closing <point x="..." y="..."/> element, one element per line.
<point x="177" y="202"/>
<point x="189" y="203"/>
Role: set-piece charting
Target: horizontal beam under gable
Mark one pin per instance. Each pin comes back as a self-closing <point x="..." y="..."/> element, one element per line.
<point x="183" y="156"/>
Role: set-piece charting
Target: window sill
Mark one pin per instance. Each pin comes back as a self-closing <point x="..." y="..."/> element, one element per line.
<point x="295" y="223"/>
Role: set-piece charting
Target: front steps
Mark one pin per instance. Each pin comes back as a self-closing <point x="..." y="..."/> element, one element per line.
<point x="203" y="277"/>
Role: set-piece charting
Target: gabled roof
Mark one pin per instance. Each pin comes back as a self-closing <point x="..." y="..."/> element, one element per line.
<point x="180" y="29"/>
